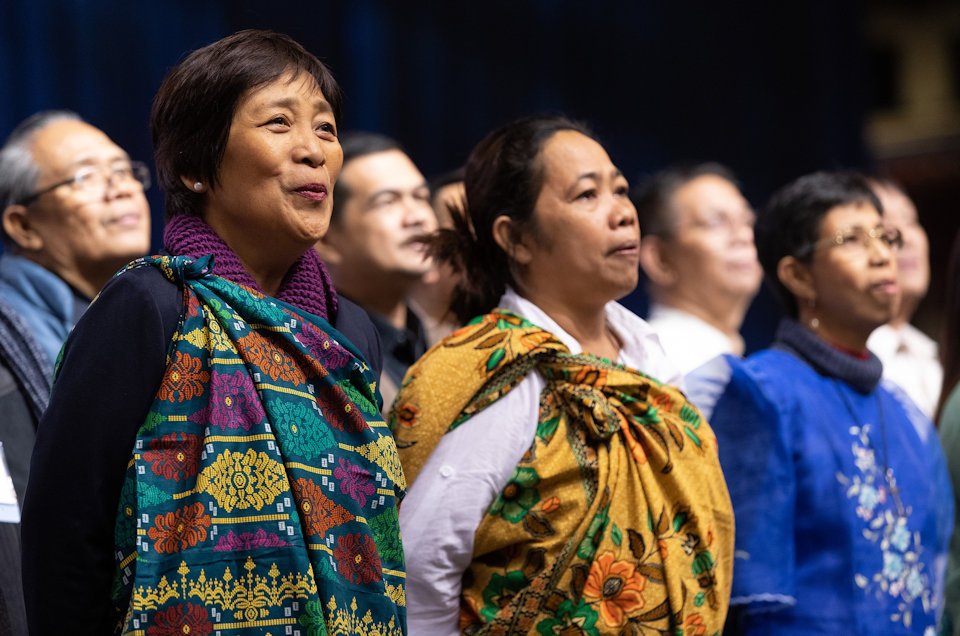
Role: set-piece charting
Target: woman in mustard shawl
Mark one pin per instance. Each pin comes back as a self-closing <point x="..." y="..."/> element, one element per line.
<point x="557" y="485"/>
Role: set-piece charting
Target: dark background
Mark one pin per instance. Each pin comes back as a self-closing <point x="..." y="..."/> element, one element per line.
<point x="771" y="89"/>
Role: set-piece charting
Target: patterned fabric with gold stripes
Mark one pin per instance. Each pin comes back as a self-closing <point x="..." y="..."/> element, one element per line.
<point x="261" y="495"/>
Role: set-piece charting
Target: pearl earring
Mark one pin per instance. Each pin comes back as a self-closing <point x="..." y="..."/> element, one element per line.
<point x="198" y="186"/>
<point x="814" y="321"/>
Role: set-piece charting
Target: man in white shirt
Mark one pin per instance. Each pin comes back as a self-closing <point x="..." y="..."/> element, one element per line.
<point x="910" y="357"/>
<point x="698" y="254"/>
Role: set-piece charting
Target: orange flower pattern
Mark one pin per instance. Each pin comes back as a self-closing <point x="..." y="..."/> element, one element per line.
<point x="272" y="360"/>
<point x="179" y="530"/>
<point x="617" y="585"/>
<point x="184" y="379"/>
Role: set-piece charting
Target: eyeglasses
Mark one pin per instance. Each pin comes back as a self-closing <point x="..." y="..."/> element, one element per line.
<point x="859" y="239"/>
<point x="96" y="179"/>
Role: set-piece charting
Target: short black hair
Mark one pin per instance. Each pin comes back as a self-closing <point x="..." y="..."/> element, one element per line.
<point x="653" y="196"/>
<point x="355" y="145"/>
<point x="194" y="108"/>
<point x="790" y="223"/>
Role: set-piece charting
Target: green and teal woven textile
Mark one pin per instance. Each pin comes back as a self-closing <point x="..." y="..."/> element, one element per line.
<point x="261" y="495"/>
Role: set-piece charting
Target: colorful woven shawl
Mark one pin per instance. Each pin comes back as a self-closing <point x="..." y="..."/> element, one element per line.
<point x="616" y="520"/>
<point x="261" y="495"/>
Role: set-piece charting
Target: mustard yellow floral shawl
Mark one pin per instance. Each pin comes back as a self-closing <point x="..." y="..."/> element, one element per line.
<point x="617" y="518"/>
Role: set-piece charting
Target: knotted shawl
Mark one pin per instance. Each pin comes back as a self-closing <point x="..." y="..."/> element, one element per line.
<point x="261" y="494"/>
<point x="617" y="518"/>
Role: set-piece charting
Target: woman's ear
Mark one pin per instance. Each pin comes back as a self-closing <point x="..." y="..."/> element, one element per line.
<point x="797" y="277"/>
<point x="655" y="261"/>
<point x="16" y="223"/>
<point x="194" y="185"/>
<point x="510" y="240"/>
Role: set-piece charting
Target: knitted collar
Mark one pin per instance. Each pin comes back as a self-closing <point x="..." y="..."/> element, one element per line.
<point x="307" y="284"/>
<point x="862" y="374"/>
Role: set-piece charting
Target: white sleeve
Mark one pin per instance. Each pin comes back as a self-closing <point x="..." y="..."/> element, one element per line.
<point x="445" y="505"/>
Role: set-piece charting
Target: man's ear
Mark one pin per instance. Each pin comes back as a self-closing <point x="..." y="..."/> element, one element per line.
<point x="17" y="225"/>
<point x="655" y="261"/>
<point x="797" y="278"/>
<point x="510" y="240"/>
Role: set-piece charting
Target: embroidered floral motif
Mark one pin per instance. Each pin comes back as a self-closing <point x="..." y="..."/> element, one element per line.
<point x="184" y="379"/>
<point x="324" y="348"/>
<point x="175" y="531"/>
<point x="319" y="513"/>
<point x="233" y="402"/>
<point x="903" y="575"/>
<point x="357" y="558"/>
<point x="570" y="619"/>
<point x="181" y="620"/>
<point x="617" y="585"/>
<point x="499" y="591"/>
<point x="272" y="361"/>
<point x="243" y="480"/>
<point x="249" y="541"/>
<point x="175" y="455"/>
<point x="342" y="414"/>
<point x="354" y="481"/>
<point x="313" y="618"/>
<point x="300" y="428"/>
<point x="386" y="532"/>
<point x="518" y="496"/>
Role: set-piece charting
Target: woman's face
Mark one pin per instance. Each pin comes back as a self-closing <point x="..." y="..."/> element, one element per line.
<point x="854" y="282"/>
<point x="276" y="178"/>
<point x="585" y="244"/>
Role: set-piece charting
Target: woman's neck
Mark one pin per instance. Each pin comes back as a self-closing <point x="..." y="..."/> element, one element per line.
<point x="585" y="323"/>
<point x="850" y="338"/>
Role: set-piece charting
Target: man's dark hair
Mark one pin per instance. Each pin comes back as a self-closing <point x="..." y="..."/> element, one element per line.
<point x="194" y="108"/>
<point x="790" y="223"/>
<point x="653" y="196"/>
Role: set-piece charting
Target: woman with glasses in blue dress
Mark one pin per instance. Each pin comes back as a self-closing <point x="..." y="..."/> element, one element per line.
<point x="839" y="487"/>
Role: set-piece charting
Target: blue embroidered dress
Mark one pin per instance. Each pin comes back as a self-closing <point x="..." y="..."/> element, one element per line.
<point x="842" y="499"/>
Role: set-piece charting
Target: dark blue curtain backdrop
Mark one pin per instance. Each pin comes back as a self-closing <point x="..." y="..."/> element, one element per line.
<point x="771" y="89"/>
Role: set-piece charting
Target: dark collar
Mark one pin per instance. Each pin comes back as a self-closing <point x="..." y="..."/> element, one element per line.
<point x="407" y="343"/>
<point x="862" y="374"/>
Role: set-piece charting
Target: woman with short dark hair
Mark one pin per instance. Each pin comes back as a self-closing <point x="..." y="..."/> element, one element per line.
<point x="557" y="485"/>
<point x="212" y="458"/>
<point x="842" y="499"/>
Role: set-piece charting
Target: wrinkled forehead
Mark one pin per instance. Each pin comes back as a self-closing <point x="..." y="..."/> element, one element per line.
<point x="66" y="145"/>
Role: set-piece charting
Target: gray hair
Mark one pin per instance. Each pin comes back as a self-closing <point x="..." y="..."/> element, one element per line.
<point x="18" y="170"/>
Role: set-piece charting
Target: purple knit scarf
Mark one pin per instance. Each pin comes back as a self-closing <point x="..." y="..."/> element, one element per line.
<point x="307" y="285"/>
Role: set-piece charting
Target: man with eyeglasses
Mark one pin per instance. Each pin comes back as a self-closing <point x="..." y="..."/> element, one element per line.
<point x="698" y="254"/>
<point x="73" y="213"/>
